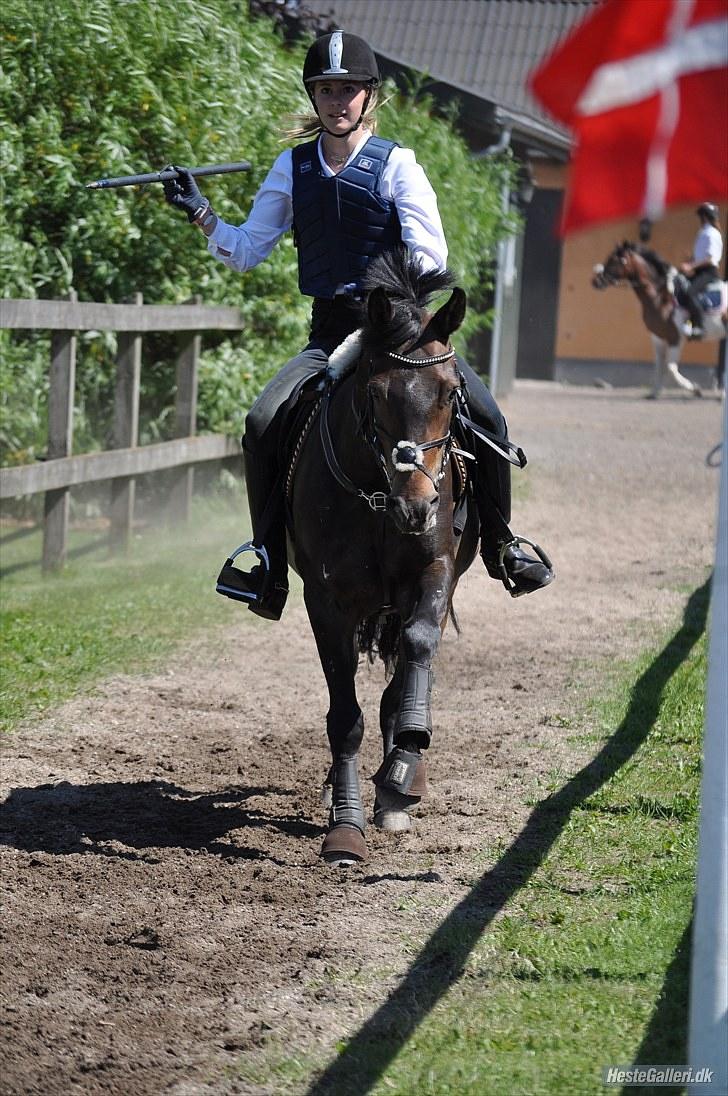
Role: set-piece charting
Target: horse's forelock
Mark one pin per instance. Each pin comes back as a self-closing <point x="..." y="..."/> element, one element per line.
<point x="409" y="289"/>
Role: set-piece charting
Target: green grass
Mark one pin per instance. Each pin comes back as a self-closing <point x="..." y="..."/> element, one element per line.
<point x="571" y="951"/>
<point x="63" y="632"/>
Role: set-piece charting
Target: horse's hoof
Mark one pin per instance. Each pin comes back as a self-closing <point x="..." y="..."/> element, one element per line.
<point x="698" y="392"/>
<point x="393" y="821"/>
<point x="392" y="811"/>
<point x="344" y="846"/>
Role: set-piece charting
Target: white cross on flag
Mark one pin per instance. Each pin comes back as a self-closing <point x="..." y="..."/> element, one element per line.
<point x="644" y="86"/>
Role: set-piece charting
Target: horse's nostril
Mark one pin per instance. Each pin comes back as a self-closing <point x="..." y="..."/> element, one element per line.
<point x="413" y="515"/>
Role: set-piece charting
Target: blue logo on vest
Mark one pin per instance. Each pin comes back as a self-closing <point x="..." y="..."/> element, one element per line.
<point x="305" y="166"/>
<point x="365" y="163"/>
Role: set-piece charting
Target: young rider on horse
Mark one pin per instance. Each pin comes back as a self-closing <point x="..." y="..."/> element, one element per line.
<point x="380" y="198"/>
<point x="702" y="269"/>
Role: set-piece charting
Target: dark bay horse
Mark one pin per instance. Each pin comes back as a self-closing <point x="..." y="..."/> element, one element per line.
<point x="653" y="282"/>
<point x="371" y="502"/>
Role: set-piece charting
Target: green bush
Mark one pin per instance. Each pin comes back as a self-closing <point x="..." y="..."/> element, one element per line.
<point x="91" y="88"/>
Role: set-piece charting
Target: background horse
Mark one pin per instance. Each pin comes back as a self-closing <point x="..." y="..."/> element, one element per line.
<point x="371" y="534"/>
<point x="654" y="284"/>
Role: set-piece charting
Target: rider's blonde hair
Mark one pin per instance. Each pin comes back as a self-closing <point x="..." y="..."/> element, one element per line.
<point x="299" y="126"/>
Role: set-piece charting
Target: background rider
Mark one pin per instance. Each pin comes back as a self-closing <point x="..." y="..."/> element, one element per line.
<point x="703" y="267"/>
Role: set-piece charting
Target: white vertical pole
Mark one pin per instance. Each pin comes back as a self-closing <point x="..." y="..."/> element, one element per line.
<point x="504" y="261"/>
<point x="708" y="1030"/>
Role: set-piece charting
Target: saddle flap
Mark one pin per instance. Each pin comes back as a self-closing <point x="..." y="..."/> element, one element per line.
<point x="714" y="297"/>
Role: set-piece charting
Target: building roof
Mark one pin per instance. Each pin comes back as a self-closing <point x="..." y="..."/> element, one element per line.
<point x="484" y="48"/>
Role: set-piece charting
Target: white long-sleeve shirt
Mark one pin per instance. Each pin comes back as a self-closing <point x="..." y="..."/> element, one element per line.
<point x="403" y="181"/>
<point x="708" y="246"/>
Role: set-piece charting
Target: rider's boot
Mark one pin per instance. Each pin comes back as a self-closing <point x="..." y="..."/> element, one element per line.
<point x="264" y="588"/>
<point x="692" y="331"/>
<point x="693" y="328"/>
<point x="500" y="550"/>
<point x="519" y="571"/>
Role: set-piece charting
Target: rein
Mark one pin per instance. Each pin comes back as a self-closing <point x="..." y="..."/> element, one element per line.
<point x="408" y="456"/>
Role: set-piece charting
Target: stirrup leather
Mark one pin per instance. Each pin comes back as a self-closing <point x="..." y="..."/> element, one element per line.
<point x="222" y="587"/>
<point x="509" y="584"/>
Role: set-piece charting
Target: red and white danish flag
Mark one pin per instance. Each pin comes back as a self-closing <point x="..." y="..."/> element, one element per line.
<point x="644" y="86"/>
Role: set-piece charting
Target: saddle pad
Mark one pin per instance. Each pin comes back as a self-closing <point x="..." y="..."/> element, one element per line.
<point x="714" y="298"/>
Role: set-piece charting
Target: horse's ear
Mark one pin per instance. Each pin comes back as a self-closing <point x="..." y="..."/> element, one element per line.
<point x="379" y="308"/>
<point x="448" y="318"/>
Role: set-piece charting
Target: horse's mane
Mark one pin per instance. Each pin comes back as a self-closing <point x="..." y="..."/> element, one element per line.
<point x="658" y="264"/>
<point x="410" y="290"/>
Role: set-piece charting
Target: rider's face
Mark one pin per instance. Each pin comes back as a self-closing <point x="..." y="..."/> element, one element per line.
<point x="339" y="103"/>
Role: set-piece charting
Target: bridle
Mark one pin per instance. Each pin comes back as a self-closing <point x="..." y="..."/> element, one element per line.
<point x="406" y="456"/>
<point x="606" y="278"/>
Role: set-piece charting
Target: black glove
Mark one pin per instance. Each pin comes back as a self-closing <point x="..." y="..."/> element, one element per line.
<point x="183" y="193"/>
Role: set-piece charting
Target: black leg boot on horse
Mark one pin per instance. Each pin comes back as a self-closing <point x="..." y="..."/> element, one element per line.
<point x="264" y="588"/>
<point x="406" y="723"/>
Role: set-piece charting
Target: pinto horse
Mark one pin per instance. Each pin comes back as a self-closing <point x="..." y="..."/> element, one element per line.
<point x="653" y="282"/>
<point x="371" y="500"/>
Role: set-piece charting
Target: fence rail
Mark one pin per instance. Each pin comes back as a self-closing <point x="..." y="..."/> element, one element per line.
<point x="94" y="316"/>
<point x="125" y="460"/>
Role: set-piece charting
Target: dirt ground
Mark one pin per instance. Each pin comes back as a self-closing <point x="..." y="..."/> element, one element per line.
<point x="166" y="913"/>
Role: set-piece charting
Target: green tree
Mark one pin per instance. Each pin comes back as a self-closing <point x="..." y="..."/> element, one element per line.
<point x="90" y="88"/>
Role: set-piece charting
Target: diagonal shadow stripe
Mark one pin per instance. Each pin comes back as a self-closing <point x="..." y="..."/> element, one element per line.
<point x="665" y="1041"/>
<point x="74" y="553"/>
<point x="443" y="957"/>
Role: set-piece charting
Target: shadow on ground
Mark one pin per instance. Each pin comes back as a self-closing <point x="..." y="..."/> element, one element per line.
<point x="440" y="963"/>
<point x="130" y="820"/>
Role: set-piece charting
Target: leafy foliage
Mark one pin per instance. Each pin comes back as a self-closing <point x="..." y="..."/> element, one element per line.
<point x="97" y="88"/>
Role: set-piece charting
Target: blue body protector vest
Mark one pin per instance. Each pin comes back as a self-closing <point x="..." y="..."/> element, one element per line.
<point x="340" y="222"/>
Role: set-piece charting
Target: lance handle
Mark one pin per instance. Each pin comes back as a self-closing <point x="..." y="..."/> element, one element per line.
<point x="160" y="176"/>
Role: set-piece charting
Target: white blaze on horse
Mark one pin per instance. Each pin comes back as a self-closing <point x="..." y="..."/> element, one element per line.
<point x="654" y="283"/>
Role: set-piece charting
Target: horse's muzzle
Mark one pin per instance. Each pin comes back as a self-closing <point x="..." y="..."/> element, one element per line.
<point x="414" y="516"/>
<point x="599" y="278"/>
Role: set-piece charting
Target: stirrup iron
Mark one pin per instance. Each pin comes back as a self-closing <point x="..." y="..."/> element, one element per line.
<point x="509" y="584"/>
<point x="222" y="587"/>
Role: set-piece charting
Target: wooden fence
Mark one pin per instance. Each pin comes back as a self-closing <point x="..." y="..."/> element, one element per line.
<point x="126" y="460"/>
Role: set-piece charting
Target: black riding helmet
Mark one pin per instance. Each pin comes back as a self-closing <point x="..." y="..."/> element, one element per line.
<point x="341" y="56"/>
<point x="707" y="209"/>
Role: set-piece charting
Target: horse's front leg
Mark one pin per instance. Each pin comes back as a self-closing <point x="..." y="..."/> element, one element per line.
<point x="672" y="361"/>
<point x="660" y="348"/>
<point x="401" y="780"/>
<point x="344" y="843"/>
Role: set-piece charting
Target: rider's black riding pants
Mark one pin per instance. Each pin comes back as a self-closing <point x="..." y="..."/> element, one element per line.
<point x="700" y="279"/>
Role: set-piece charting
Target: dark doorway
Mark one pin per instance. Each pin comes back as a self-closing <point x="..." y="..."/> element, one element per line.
<point x="540" y="275"/>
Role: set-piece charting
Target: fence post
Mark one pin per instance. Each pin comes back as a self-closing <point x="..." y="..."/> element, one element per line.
<point x="60" y="442"/>
<point x="125" y="431"/>
<point x="185" y="420"/>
